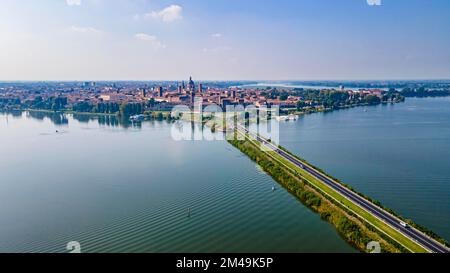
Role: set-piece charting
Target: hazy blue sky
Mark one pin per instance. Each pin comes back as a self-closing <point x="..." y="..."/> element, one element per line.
<point x="223" y="39"/>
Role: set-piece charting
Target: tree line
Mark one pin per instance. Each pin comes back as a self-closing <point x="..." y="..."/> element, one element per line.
<point x="60" y="103"/>
<point x="422" y="92"/>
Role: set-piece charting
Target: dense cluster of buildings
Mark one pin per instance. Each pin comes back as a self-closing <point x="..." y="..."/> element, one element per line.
<point x="188" y="93"/>
<point x="163" y="96"/>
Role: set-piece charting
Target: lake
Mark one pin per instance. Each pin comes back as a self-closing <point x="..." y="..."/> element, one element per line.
<point x="397" y="154"/>
<point x="118" y="187"/>
<point x="115" y="187"/>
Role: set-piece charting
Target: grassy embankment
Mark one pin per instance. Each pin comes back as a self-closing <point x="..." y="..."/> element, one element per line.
<point x="354" y="224"/>
<point x="423" y="229"/>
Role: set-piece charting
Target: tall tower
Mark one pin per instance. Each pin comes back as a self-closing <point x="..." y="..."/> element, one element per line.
<point x="191" y="85"/>
<point x="233" y="94"/>
<point x="160" y="91"/>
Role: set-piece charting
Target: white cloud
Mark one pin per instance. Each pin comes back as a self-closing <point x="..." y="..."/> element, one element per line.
<point x="73" y="2"/>
<point x="167" y="15"/>
<point x="153" y="40"/>
<point x="84" y="29"/>
<point x="216" y="35"/>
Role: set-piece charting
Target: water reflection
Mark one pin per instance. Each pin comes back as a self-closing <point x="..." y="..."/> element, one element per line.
<point x="13" y="113"/>
<point x="56" y="118"/>
<point x="62" y="119"/>
<point x="129" y="192"/>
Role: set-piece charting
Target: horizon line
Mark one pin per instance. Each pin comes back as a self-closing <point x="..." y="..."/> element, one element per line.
<point x="233" y="80"/>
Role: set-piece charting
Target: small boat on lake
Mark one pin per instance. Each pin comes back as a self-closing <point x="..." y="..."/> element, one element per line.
<point x="137" y="118"/>
<point x="287" y="118"/>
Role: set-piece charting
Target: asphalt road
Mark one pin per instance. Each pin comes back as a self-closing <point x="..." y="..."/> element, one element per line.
<point x="427" y="242"/>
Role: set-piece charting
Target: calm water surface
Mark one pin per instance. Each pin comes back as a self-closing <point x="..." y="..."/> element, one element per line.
<point x="128" y="189"/>
<point x="122" y="188"/>
<point x="397" y="154"/>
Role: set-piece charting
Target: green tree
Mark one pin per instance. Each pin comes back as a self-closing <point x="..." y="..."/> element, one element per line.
<point x="372" y="100"/>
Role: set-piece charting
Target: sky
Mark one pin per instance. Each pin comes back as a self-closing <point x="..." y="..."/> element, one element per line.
<point x="224" y="39"/>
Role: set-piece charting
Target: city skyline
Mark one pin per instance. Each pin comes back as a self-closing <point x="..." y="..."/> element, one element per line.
<point x="78" y="40"/>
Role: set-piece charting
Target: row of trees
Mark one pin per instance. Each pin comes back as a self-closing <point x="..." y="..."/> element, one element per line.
<point x="335" y="99"/>
<point x="51" y="103"/>
<point x="351" y="229"/>
<point x="9" y="103"/>
<point x="424" y="92"/>
<point x="331" y="98"/>
<point x="60" y="103"/>
<point x="103" y="108"/>
<point x="124" y="109"/>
